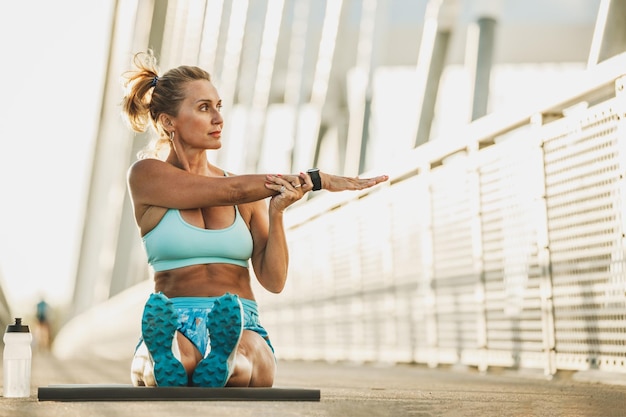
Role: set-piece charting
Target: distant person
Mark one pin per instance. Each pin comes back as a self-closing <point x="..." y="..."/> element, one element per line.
<point x="201" y="226"/>
<point x="43" y="325"/>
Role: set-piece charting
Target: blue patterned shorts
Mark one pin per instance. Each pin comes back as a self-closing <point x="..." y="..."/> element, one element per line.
<point x="192" y="319"/>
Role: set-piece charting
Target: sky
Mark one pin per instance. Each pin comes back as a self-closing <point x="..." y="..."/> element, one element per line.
<point x="51" y="74"/>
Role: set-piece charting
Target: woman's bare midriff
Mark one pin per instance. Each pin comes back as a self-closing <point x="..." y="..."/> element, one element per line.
<point x="211" y="280"/>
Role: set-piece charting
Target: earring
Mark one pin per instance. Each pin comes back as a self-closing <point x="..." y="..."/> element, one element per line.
<point x="172" y="136"/>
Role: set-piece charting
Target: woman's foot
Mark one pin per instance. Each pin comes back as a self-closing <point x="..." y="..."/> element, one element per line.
<point x="158" y="327"/>
<point x="225" y="323"/>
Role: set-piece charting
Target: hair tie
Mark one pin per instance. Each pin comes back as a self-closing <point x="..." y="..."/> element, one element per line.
<point x="154" y="82"/>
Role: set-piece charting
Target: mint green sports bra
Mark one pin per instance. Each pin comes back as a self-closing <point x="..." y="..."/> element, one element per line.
<point x="174" y="243"/>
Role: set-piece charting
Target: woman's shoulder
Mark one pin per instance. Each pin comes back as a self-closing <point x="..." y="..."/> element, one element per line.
<point x="146" y="166"/>
<point x="144" y="163"/>
<point x="145" y="170"/>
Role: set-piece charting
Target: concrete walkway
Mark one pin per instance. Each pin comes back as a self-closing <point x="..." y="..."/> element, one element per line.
<point x="346" y="390"/>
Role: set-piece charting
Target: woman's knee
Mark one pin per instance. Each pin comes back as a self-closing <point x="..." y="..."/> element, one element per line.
<point x="242" y="373"/>
<point x="265" y="365"/>
<point x="249" y="372"/>
<point x="255" y="363"/>
<point x="263" y="375"/>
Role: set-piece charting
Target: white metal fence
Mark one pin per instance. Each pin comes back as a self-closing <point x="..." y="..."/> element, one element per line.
<point x="503" y="249"/>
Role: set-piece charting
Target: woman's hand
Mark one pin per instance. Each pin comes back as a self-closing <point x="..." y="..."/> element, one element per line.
<point x="290" y="188"/>
<point x="337" y="183"/>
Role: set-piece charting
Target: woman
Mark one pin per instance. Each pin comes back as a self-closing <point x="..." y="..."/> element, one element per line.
<point x="201" y="227"/>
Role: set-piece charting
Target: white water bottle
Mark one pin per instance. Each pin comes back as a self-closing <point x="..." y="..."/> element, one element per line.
<point x="17" y="359"/>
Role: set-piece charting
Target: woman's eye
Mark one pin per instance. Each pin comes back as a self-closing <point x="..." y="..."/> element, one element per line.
<point x="219" y="107"/>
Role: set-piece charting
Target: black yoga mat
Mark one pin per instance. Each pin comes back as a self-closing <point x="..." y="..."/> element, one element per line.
<point x="122" y="392"/>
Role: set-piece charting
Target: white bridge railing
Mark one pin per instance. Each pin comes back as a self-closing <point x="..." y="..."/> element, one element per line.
<point x="502" y="247"/>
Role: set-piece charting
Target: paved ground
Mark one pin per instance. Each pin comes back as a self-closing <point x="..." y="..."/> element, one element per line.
<point x="346" y="390"/>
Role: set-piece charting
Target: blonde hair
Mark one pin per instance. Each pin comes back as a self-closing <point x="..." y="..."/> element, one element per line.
<point x="147" y="95"/>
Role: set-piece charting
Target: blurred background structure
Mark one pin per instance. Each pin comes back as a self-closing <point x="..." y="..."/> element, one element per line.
<point x="499" y="240"/>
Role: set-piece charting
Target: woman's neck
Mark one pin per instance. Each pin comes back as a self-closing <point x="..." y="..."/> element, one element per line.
<point x="198" y="164"/>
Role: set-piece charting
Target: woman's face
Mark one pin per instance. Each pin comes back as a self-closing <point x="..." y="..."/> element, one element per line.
<point x="199" y="122"/>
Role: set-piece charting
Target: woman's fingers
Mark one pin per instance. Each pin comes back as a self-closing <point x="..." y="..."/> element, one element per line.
<point x="306" y="181"/>
<point x="287" y="183"/>
<point x="381" y="178"/>
<point x="370" y="182"/>
<point x="339" y="183"/>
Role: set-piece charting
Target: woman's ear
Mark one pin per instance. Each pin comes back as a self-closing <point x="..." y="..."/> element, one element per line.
<point x="165" y="120"/>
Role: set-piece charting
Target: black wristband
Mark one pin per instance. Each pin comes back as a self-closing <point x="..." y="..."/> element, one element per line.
<point x="314" y="173"/>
